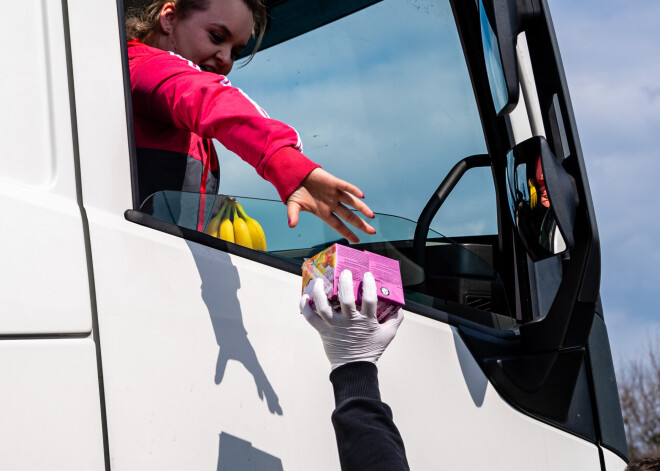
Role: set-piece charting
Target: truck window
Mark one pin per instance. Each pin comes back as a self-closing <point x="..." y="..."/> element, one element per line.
<point x="382" y="98"/>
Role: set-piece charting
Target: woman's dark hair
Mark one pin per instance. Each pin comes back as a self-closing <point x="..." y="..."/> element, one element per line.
<point x="142" y="23"/>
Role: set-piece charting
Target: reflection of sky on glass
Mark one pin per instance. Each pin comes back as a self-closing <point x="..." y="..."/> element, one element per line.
<point x="312" y="232"/>
<point x="521" y="183"/>
<point x="382" y="99"/>
<point x="493" y="62"/>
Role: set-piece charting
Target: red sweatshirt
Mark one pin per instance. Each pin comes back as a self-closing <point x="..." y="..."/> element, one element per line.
<point x="178" y="109"/>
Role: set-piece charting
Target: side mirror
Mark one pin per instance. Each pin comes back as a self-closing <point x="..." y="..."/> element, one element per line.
<point x="501" y="21"/>
<point x="542" y="199"/>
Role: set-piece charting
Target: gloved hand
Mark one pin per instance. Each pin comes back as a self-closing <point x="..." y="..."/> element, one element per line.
<point x="350" y="335"/>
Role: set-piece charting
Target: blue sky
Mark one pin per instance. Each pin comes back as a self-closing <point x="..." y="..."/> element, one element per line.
<point x="610" y="50"/>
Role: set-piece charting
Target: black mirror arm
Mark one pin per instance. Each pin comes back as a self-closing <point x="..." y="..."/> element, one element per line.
<point x="539" y="370"/>
<point x="527" y="10"/>
<point x="569" y="319"/>
<point x="439" y="197"/>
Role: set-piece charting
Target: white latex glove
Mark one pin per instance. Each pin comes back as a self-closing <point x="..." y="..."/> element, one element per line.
<point x="350" y="335"/>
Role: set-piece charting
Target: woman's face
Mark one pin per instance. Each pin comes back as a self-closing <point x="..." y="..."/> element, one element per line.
<point x="210" y="38"/>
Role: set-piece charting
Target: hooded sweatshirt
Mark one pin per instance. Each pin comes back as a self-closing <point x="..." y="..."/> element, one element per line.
<point x="178" y="109"/>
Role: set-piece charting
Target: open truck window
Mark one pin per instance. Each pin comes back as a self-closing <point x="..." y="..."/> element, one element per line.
<point x="381" y="96"/>
<point x="480" y="194"/>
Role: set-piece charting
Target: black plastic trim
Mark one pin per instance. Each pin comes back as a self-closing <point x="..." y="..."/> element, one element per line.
<point x="552" y="87"/>
<point x="128" y="103"/>
<point x="551" y="387"/>
<point x="301" y="16"/>
<point x="539" y="340"/>
<point x="611" y="432"/>
<point x="438" y="199"/>
<point x="68" y="335"/>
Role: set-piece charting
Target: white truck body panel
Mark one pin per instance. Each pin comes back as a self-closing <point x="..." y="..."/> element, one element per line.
<point x="49" y="404"/>
<point x="45" y="289"/>
<point x="613" y="462"/>
<point x="188" y="305"/>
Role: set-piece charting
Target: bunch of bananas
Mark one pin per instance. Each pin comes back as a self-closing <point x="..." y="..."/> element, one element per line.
<point x="234" y="225"/>
<point x="533" y="196"/>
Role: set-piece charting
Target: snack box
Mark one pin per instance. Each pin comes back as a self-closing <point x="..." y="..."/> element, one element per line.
<point x="329" y="264"/>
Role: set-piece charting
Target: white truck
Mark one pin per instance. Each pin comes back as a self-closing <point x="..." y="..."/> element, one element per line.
<point x="131" y="341"/>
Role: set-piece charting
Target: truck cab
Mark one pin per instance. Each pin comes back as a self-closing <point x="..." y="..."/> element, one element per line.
<point x="132" y="340"/>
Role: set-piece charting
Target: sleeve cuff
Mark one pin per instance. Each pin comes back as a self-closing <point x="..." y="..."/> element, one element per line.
<point x="286" y="169"/>
<point x="356" y="379"/>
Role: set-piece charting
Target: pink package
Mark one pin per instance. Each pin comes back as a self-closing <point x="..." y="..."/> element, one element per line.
<point x="329" y="264"/>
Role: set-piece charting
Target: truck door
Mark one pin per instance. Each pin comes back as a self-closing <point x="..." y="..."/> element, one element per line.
<point x="206" y="362"/>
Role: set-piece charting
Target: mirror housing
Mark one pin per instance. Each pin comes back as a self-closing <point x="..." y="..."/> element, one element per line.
<point x="501" y="21"/>
<point x="542" y="199"/>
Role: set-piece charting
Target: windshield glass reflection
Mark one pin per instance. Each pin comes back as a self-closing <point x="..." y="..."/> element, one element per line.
<point x="493" y="61"/>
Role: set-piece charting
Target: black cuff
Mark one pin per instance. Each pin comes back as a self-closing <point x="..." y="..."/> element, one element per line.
<point x="356" y="379"/>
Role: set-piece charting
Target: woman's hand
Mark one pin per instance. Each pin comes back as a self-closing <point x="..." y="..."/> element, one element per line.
<point x="329" y="198"/>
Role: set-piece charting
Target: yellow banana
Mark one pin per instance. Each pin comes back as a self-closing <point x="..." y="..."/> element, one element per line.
<point x="257" y="234"/>
<point x="241" y="231"/>
<point x="214" y="224"/>
<point x="226" y="231"/>
<point x="533" y="197"/>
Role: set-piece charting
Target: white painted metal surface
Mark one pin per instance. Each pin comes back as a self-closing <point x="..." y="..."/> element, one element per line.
<point x="528" y="86"/>
<point x="613" y="462"/>
<point x="190" y="308"/>
<point x="526" y="120"/>
<point x="25" y="133"/>
<point x="100" y="106"/>
<point x="519" y="121"/>
<point x="49" y="404"/>
<point x="43" y="282"/>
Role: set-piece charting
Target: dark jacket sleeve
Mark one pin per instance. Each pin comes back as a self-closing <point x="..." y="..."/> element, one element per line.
<point x="367" y="438"/>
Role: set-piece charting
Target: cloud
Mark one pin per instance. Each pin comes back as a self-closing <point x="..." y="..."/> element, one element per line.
<point x="629" y="340"/>
<point x="612" y="63"/>
<point x="611" y="58"/>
